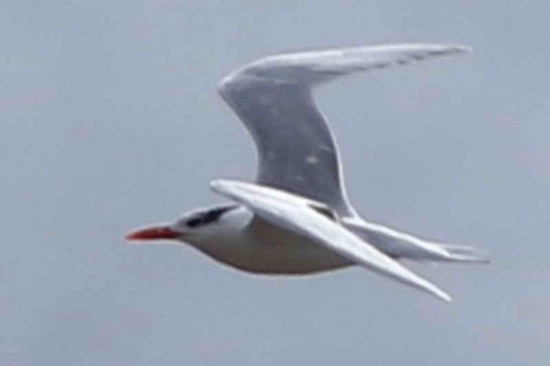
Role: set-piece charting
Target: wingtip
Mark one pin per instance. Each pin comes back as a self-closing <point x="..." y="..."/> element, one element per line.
<point x="436" y="291"/>
<point x="453" y="47"/>
<point x="438" y="48"/>
<point x="464" y="49"/>
<point x="449" y="48"/>
<point x="444" y="296"/>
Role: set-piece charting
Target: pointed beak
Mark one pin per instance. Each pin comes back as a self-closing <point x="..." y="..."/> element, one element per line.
<point x="152" y="233"/>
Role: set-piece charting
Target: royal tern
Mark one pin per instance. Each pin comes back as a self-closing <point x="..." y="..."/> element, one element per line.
<point x="296" y="217"/>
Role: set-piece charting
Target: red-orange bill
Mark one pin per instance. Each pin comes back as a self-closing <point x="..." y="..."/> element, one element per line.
<point x="152" y="233"/>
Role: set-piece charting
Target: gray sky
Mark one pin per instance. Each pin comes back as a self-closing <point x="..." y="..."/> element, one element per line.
<point x="110" y="120"/>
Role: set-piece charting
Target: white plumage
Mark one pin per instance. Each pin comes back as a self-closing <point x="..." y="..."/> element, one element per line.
<point x="296" y="218"/>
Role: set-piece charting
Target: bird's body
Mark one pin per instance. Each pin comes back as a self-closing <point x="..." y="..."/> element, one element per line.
<point x="243" y="241"/>
<point x="296" y="218"/>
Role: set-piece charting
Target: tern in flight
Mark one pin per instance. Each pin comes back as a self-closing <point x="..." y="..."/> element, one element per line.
<point x="296" y="219"/>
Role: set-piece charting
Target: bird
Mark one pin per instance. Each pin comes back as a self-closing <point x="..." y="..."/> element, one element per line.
<point x="295" y="218"/>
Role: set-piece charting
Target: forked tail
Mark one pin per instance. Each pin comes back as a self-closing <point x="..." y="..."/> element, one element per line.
<point x="465" y="253"/>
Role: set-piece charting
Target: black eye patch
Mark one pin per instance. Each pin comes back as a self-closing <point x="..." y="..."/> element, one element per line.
<point x="194" y="222"/>
<point x="208" y="216"/>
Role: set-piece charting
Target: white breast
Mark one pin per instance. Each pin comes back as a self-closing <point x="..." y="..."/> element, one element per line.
<point x="250" y="244"/>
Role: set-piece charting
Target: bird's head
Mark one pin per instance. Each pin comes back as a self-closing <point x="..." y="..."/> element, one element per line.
<point x="189" y="227"/>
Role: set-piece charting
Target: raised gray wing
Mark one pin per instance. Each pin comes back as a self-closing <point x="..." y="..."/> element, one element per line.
<point x="272" y="97"/>
<point x="296" y="214"/>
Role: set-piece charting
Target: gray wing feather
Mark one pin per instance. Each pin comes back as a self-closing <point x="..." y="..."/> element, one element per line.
<point x="296" y="149"/>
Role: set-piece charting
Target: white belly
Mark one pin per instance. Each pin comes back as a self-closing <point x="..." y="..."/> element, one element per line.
<point x="263" y="248"/>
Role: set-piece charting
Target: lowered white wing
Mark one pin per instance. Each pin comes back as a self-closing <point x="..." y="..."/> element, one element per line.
<point x="295" y="213"/>
<point x="272" y="97"/>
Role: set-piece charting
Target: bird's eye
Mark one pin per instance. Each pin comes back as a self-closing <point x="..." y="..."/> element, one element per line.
<point x="194" y="222"/>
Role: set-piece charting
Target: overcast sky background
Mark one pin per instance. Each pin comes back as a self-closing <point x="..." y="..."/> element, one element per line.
<point x="110" y="120"/>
